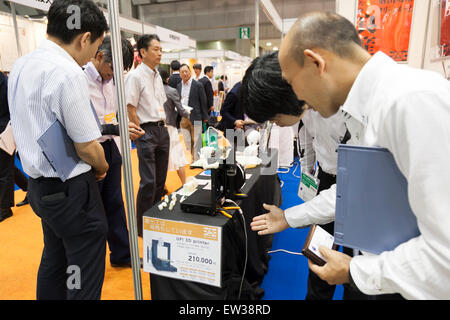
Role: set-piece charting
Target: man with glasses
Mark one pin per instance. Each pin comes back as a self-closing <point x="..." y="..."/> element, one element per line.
<point x="102" y="92"/>
<point x="145" y="99"/>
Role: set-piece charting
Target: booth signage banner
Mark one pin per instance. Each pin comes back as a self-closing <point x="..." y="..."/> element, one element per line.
<point x="37" y="4"/>
<point x="385" y="26"/>
<point x="445" y="28"/>
<point x="184" y="251"/>
<point x="170" y="36"/>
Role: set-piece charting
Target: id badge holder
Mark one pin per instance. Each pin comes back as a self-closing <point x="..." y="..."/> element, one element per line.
<point x="309" y="186"/>
<point x="111" y="119"/>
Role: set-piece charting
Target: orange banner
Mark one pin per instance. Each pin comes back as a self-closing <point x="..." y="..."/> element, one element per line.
<point x="181" y="228"/>
<point x="385" y="25"/>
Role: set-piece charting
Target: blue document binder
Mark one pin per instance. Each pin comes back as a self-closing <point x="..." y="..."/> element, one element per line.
<point x="372" y="209"/>
<point x="59" y="150"/>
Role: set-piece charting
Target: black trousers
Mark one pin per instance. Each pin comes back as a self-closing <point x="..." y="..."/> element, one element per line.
<point x="111" y="193"/>
<point x="75" y="228"/>
<point x="153" y="154"/>
<point x="6" y="180"/>
<point x="317" y="288"/>
<point x="321" y="290"/>
<point x="20" y="179"/>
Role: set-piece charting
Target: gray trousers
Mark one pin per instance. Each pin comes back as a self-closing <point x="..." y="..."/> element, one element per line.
<point x="153" y="154"/>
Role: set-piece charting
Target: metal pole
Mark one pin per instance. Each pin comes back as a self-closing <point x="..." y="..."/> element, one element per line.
<point x="16" y="28"/>
<point x="257" y="28"/>
<point x="116" y="42"/>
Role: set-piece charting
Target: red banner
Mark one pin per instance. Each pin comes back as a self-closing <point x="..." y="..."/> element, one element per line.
<point x="385" y="25"/>
<point x="445" y="28"/>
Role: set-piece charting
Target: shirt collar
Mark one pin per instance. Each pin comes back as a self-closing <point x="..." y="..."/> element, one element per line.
<point x="92" y="72"/>
<point x="149" y="70"/>
<point x="47" y="44"/>
<point x="358" y="100"/>
<point x="188" y="83"/>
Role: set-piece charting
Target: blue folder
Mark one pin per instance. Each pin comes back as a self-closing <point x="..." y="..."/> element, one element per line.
<point x="372" y="208"/>
<point x="59" y="150"/>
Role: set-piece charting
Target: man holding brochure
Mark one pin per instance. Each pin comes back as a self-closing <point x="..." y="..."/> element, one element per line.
<point x="46" y="86"/>
<point x="388" y="105"/>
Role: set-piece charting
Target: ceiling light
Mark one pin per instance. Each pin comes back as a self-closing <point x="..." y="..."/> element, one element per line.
<point x="269" y="44"/>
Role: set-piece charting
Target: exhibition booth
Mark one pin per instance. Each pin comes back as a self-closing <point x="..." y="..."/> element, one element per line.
<point x="197" y="241"/>
<point x="31" y="31"/>
<point x="225" y="62"/>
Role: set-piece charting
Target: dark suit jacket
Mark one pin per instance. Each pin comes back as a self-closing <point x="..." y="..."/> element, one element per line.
<point x="4" y="109"/>
<point x="173" y="106"/>
<point x="174" y="80"/>
<point x="231" y="108"/>
<point x="208" y="90"/>
<point x="197" y="101"/>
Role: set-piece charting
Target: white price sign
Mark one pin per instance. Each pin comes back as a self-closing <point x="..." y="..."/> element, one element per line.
<point x="183" y="250"/>
<point x="37" y="4"/>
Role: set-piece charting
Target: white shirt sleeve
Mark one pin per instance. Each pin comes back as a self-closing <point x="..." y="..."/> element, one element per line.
<point x="132" y="90"/>
<point x="306" y="143"/>
<point x="416" y="131"/>
<point x="319" y="210"/>
<point x="70" y="101"/>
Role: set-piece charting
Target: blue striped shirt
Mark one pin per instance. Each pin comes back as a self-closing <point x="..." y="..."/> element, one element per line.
<point x="46" y="85"/>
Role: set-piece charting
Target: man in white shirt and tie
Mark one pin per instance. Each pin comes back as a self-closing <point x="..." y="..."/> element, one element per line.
<point x="193" y="96"/>
<point x="145" y="98"/>
<point x="402" y="109"/>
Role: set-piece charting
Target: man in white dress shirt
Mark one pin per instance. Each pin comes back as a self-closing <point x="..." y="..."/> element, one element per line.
<point x="266" y="94"/>
<point x="48" y="85"/>
<point x="103" y="94"/>
<point x="388" y="105"/>
<point x="145" y="98"/>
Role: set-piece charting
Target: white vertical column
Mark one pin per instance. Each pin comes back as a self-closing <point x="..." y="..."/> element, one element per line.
<point x="116" y="44"/>
<point x="256" y="28"/>
<point x="16" y="28"/>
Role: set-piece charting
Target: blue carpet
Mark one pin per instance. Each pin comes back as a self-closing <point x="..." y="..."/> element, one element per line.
<point x="287" y="276"/>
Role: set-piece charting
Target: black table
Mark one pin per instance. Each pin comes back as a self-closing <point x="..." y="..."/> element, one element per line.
<point x="260" y="188"/>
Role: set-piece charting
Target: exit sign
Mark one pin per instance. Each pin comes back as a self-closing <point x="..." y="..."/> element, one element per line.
<point x="244" y="33"/>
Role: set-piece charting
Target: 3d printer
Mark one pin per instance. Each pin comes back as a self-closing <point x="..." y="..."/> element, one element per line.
<point x="227" y="179"/>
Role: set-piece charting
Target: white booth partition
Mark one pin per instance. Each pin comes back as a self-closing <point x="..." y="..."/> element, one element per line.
<point x="225" y="62"/>
<point x="32" y="31"/>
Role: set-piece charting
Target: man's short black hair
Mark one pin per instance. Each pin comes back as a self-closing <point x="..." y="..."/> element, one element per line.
<point x="175" y="65"/>
<point x="145" y="40"/>
<point x="127" y="52"/>
<point x="264" y="93"/>
<point x="164" y="75"/>
<point x="62" y="22"/>
<point x="197" y="66"/>
<point x="208" y="69"/>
